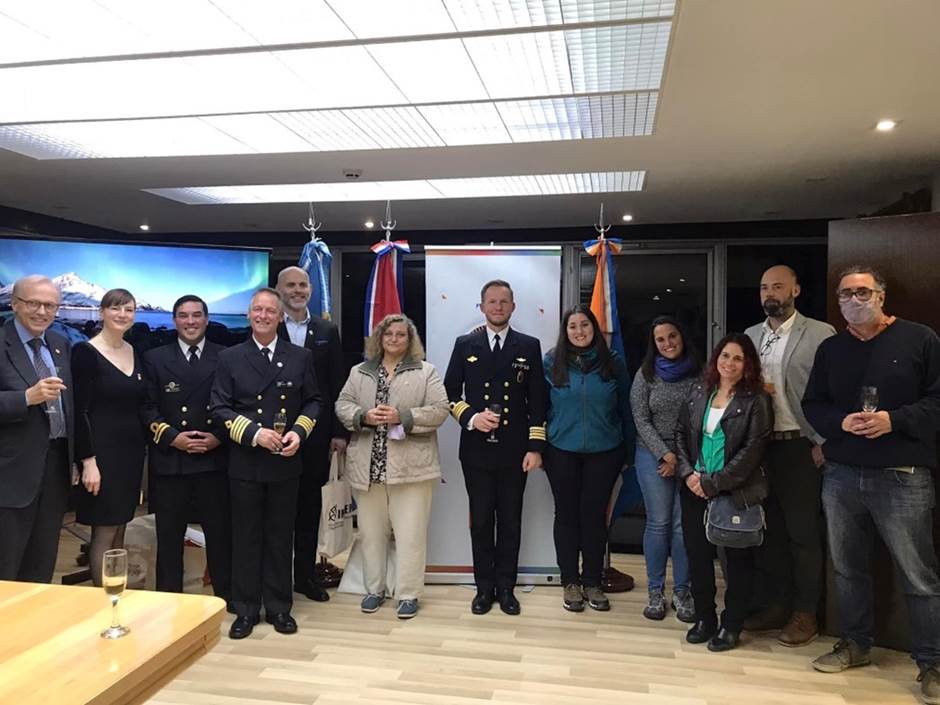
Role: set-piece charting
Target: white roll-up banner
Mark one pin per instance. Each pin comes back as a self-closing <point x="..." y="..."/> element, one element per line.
<point x="454" y="277"/>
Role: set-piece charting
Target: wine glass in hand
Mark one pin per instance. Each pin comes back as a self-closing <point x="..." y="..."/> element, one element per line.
<point x="498" y="410"/>
<point x="54" y="406"/>
<point x="280" y="425"/>
<point x="869" y="399"/>
<point x="114" y="580"/>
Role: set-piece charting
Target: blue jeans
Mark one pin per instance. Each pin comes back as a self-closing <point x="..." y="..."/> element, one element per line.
<point x="663" y="534"/>
<point x="860" y="501"/>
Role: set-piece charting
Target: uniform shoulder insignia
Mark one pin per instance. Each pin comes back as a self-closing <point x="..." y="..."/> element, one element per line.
<point x="520" y="359"/>
<point x="472" y="358"/>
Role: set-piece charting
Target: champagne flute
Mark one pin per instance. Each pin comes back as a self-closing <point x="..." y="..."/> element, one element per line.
<point x="114" y="580"/>
<point x="280" y="425"/>
<point x="498" y="410"/>
<point x="869" y="399"/>
<point x="53" y="405"/>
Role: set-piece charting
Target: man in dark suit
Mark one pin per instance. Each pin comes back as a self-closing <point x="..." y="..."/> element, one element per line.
<point x="497" y="368"/>
<point x="255" y="382"/>
<point x="322" y="339"/>
<point x="36" y="433"/>
<point x="186" y="462"/>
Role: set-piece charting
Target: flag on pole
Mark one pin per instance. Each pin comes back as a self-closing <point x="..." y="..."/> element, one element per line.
<point x="384" y="292"/>
<point x="604" y="297"/>
<point x="315" y="260"/>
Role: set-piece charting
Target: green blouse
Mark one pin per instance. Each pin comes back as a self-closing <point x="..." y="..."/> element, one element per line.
<point x="711" y="459"/>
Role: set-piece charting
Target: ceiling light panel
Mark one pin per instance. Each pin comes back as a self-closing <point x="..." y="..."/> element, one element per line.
<point x="587" y="117"/>
<point x="620" y="58"/>
<point x="479" y="187"/>
<point x="521" y="65"/>
<point x="393" y="18"/>
<point x="395" y="128"/>
<point x="466" y="123"/>
<point x="476" y="15"/>
<point x="430" y="71"/>
<point x="574" y="11"/>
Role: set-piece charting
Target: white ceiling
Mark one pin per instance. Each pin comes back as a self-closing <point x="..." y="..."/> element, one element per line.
<point x="757" y="98"/>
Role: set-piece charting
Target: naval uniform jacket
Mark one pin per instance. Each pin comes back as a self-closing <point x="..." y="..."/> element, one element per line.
<point x="246" y="394"/>
<point x="477" y="378"/>
<point x="323" y="341"/>
<point x="178" y="400"/>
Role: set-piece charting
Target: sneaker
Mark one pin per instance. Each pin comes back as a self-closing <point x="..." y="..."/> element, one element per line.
<point x="407" y="609"/>
<point x="800" y="630"/>
<point x="573" y="598"/>
<point x="929" y="679"/>
<point x="656" y="609"/>
<point x="596" y="598"/>
<point x="684" y="606"/>
<point x="845" y="654"/>
<point x="371" y="603"/>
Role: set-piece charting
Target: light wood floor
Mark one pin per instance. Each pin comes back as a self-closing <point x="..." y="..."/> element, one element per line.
<point x="447" y="656"/>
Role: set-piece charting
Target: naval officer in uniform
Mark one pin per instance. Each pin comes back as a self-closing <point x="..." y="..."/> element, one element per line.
<point x="255" y="383"/>
<point x="186" y="459"/>
<point x="497" y="394"/>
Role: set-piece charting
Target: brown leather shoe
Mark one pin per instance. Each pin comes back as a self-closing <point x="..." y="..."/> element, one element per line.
<point x="612" y="580"/>
<point x="800" y="630"/>
<point x="768" y="619"/>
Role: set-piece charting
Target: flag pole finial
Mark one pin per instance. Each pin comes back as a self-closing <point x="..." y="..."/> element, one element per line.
<point x="311" y="226"/>
<point x="599" y="226"/>
<point x="388" y="225"/>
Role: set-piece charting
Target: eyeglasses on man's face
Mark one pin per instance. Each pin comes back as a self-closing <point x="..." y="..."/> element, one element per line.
<point x="33" y="306"/>
<point x="862" y="293"/>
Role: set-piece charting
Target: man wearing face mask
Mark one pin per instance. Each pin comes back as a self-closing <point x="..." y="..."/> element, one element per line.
<point x="879" y="456"/>
<point x="790" y="560"/>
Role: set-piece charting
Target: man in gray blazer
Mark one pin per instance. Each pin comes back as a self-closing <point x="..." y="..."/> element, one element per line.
<point x="36" y="422"/>
<point x="790" y="561"/>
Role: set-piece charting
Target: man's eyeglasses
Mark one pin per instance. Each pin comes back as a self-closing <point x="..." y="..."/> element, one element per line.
<point x="862" y="293"/>
<point x="32" y="305"/>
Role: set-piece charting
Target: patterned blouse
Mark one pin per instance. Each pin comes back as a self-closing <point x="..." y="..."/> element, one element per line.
<point x="380" y="439"/>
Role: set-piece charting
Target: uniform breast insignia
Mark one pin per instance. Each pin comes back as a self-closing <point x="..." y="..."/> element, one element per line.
<point x="472" y="358"/>
<point x="171" y="387"/>
<point x="520" y="376"/>
<point x="58" y="352"/>
<point x="139" y="377"/>
<point x="280" y="364"/>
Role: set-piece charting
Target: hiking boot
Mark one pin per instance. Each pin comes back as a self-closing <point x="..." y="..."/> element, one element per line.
<point x="573" y="598"/>
<point x="768" y="619"/>
<point x="596" y="598"/>
<point x="684" y="606"/>
<point x="845" y="654"/>
<point x="800" y="630"/>
<point x="656" y="609"/>
<point x="929" y="679"/>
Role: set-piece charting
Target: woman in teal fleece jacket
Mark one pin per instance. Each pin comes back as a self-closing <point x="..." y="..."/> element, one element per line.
<point x="590" y="431"/>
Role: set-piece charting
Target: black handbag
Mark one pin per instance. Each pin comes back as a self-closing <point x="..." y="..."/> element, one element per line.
<point x="728" y="526"/>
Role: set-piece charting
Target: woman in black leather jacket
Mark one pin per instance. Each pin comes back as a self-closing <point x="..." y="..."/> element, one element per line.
<point x="721" y="435"/>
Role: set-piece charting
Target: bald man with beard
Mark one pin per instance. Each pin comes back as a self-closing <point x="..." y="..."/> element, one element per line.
<point x="790" y="563"/>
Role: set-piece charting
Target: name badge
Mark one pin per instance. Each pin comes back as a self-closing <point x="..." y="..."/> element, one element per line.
<point x="280" y="384"/>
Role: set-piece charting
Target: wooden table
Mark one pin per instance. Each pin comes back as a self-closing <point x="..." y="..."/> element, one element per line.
<point x="51" y="651"/>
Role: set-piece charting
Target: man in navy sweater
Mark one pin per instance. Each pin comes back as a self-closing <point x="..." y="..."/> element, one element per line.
<point x="874" y="394"/>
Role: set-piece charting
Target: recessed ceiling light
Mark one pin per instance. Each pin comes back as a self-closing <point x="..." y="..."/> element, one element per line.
<point x="144" y="227"/>
<point x="682" y="280"/>
<point x="626" y="218"/>
<point x="656" y="298"/>
<point x="369" y="224"/>
<point x="668" y="291"/>
<point x="886" y="125"/>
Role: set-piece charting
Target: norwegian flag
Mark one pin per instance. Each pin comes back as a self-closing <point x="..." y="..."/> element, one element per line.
<point x="384" y="292"/>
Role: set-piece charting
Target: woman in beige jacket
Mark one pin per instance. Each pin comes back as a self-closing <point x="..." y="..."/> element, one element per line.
<point x="393" y="403"/>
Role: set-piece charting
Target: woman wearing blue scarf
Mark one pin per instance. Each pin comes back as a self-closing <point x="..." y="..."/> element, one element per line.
<point x="661" y="387"/>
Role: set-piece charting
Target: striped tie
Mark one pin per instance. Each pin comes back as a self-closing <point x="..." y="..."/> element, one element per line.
<point x="56" y="416"/>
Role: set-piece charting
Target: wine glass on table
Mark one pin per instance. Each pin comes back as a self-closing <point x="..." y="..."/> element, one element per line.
<point x="280" y="425"/>
<point x="114" y="580"/>
<point x="498" y="410"/>
<point x="869" y="399"/>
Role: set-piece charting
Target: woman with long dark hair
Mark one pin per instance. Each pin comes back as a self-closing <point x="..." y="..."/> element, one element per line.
<point x="667" y="375"/>
<point x="589" y="430"/>
<point x="722" y="433"/>
<point x="109" y="437"/>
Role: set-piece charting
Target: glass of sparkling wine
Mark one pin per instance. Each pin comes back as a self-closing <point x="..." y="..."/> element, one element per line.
<point x="114" y="579"/>
<point x="53" y="406"/>
<point x="869" y="399"/>
<point x="280" y="425"/>
<point x="498" y="410"/>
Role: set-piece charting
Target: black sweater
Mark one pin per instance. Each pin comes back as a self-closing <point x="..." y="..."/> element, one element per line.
<point x="903" y="362"/>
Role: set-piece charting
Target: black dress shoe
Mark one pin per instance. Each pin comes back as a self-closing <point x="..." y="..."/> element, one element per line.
<point x="507" y="601"/>
<point x="700" y="633"/>
<point x="723" y="640"/>
<point x="312" y="590"/>
<point x="282" y="621"/>
<point x="482" y="602"/>
<point x="242" y="627"/>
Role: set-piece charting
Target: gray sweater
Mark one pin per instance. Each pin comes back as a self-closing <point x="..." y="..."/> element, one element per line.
<point x="656" y="407"/>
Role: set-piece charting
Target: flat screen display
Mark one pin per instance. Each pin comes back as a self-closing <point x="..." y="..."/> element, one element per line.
<point x="156" y="275"/>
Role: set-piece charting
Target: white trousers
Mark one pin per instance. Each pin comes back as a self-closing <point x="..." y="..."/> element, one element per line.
<point x="404" y="509"/>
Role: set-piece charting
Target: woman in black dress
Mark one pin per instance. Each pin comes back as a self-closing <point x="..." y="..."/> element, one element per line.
<point x="109" y="438"/>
